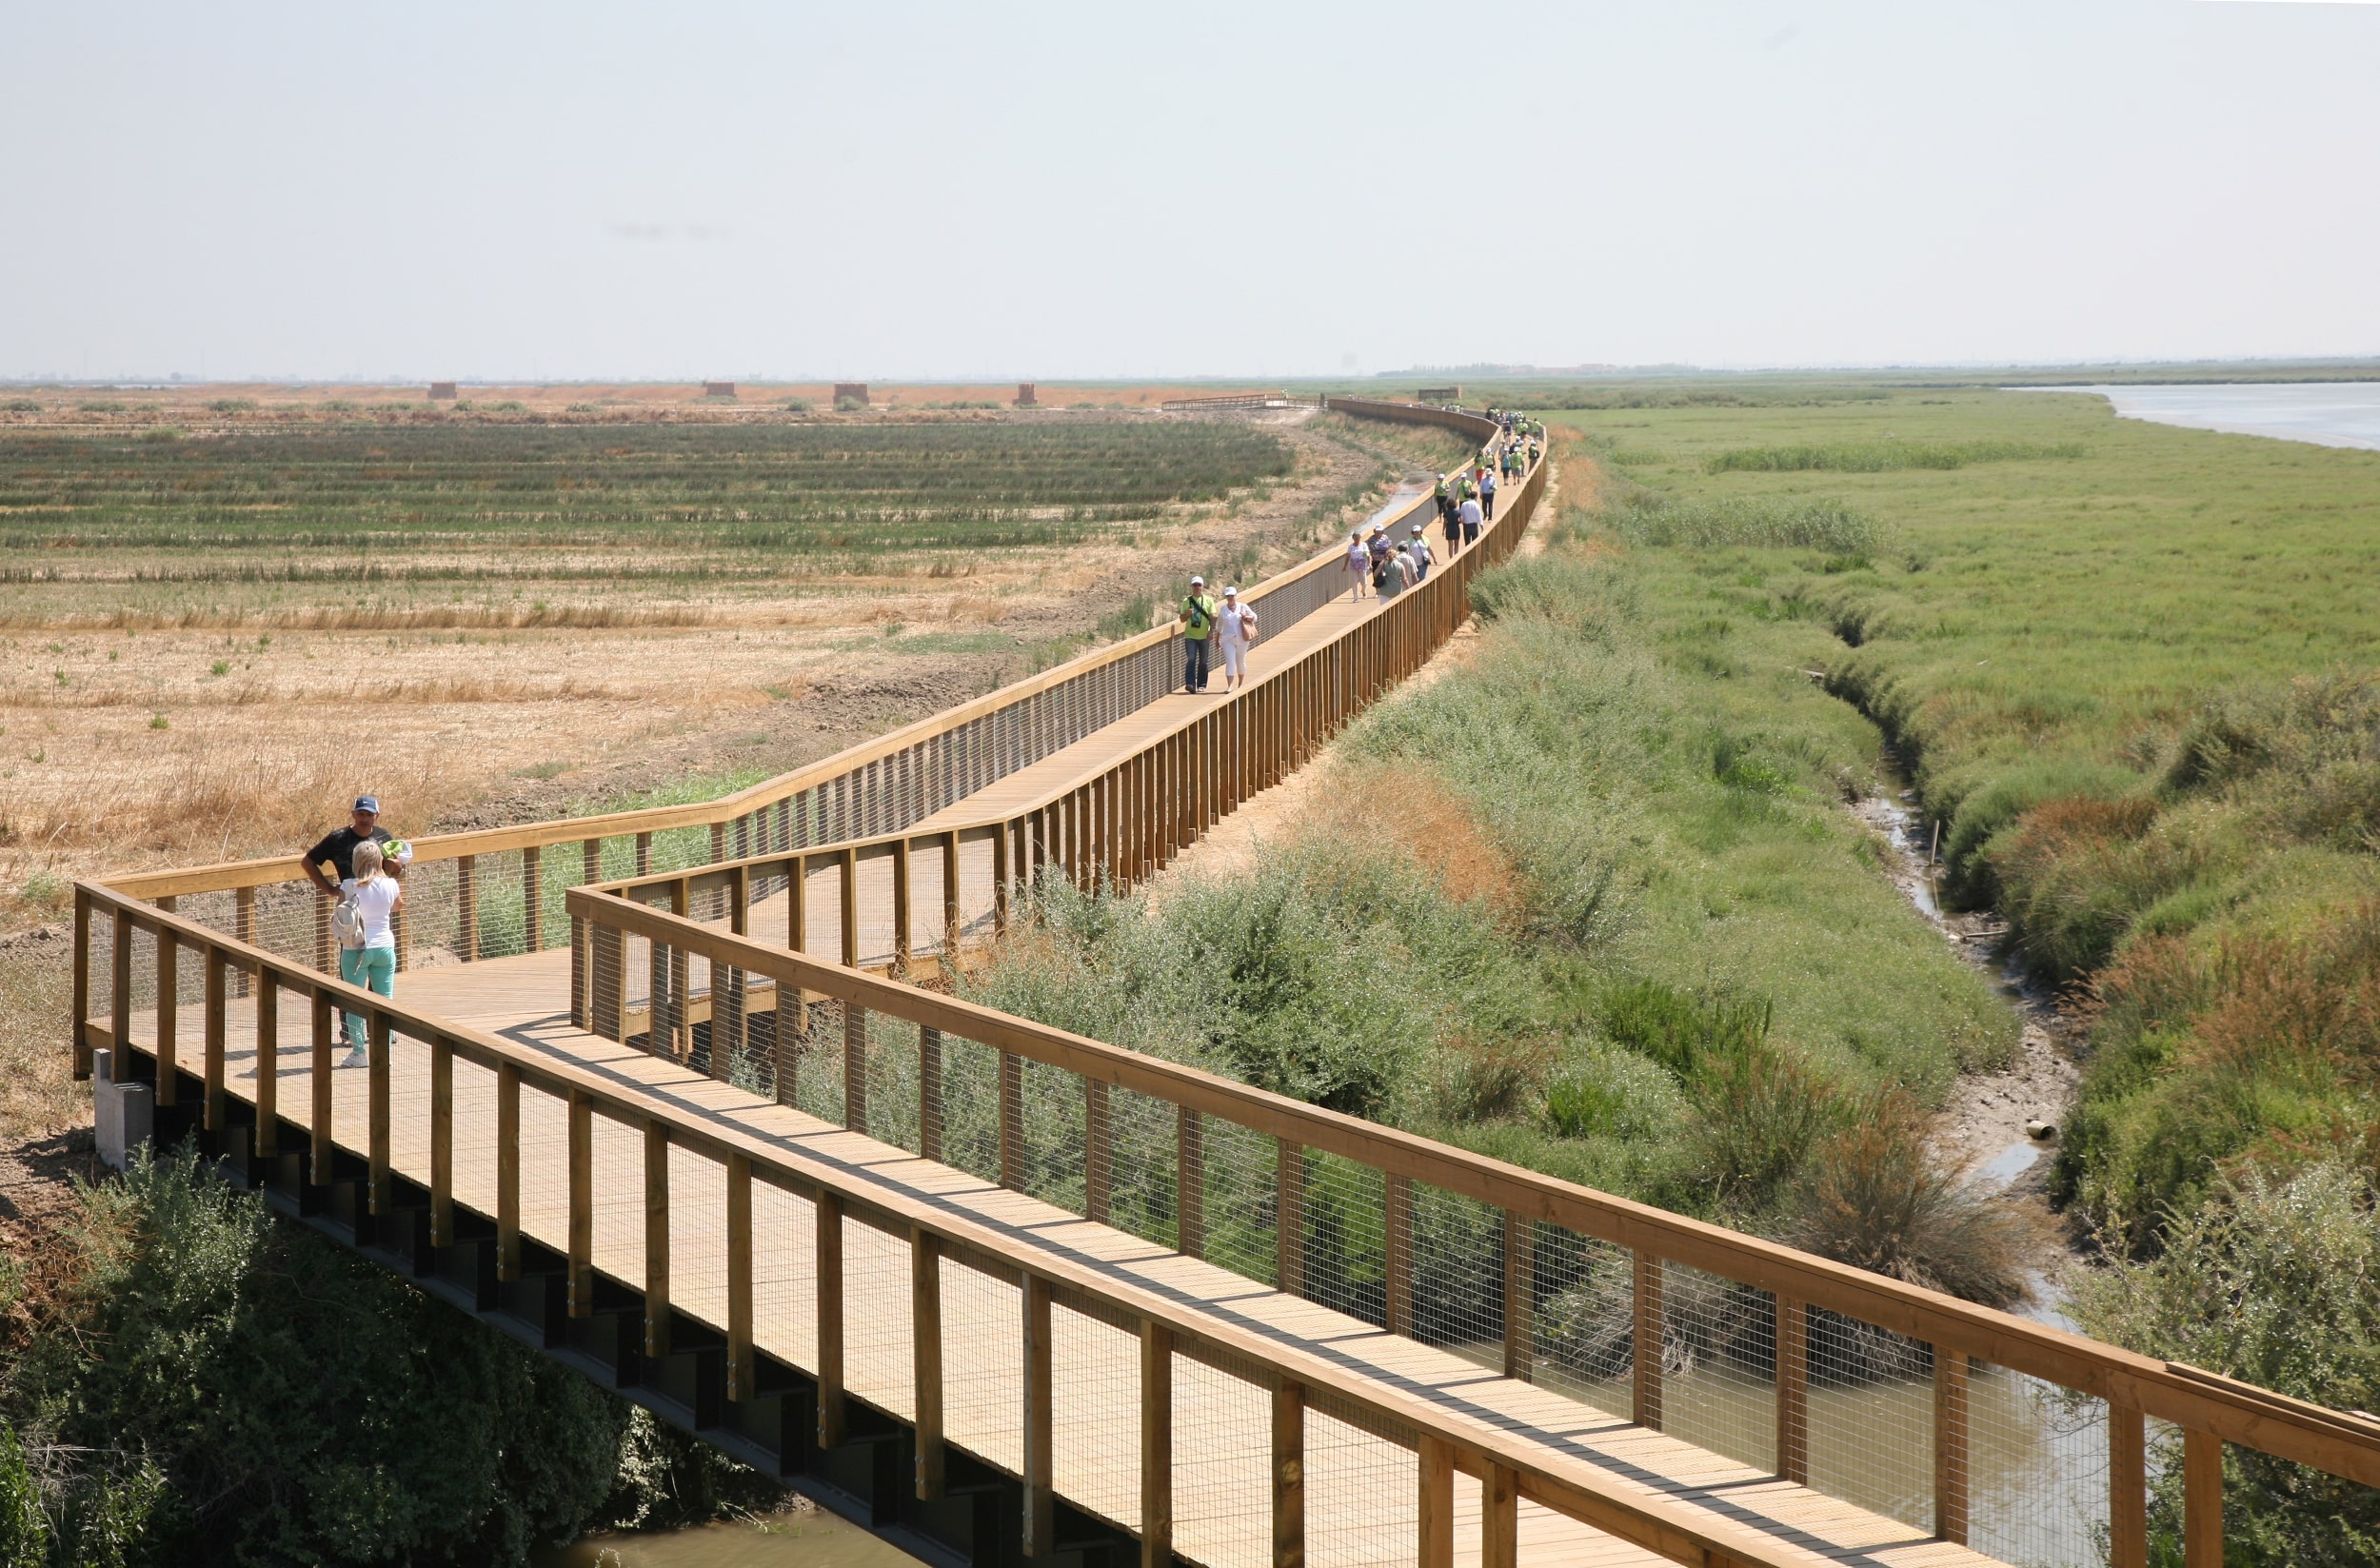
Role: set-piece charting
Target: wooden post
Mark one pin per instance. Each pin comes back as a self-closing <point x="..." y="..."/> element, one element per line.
<point x="1157" y="1445"/>
<point x="1520" y="1303"/>
<point x="656" y="1236"/>
<point x="467" y="906"/>
<point x="119" y="989"/>
<point x="1289" y="1474"/>
<point x="2202" y="1500"/>
<point x="850" y="956"/>
<point x="1647" y="1337"/>
<point x="2128" y="1488"/>
<point x="321" y="1128"/>
<point x="383" y="1048"/>
<point x="900" y="906"/>
<point x="1189" y="1184"/>
<point x="81" y="1005"/>
<point x="1098" y="1151"/>
<point x="1011" y="1110"/>
<point x="929" y="1092"/>
<point x="740" y="1364"/>
<point x="168" y="991"/>
<point x="268" y="1141"/>
<point x="855" y="1066"/>
<point x="582" y="1239"/>
<point x="1436" y="1548"/>
<point x="797" y="915"/>
<point x="508" y="1172"/>
<point x="1499" y="1517"/>
<point x="532" y="902"/>
<point x="1039" y="1493"/>
<point x="1289" y="1217"/>
<point x="1398" y="1283"/>
<point x="926" y="1318"/>
<point x="828" y="1273"/>
<point x="440" y="1141"/>
<point x="951" y="917"/>
<point x="1949" y="1446"/>
<point x="1793" y="1390"/>
<point x="216" y="987"/>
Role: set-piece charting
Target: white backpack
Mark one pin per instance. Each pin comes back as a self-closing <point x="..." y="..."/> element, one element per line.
<point x="346" y="924"/>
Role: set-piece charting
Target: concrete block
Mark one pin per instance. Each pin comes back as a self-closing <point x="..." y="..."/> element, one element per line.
<point x="125" y="1114"/>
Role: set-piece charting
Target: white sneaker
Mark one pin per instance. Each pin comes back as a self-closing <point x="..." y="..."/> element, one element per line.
<point x="356" y="1057"/>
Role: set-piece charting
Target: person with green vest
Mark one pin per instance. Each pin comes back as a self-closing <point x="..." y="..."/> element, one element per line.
<point x="1198" y="620"/>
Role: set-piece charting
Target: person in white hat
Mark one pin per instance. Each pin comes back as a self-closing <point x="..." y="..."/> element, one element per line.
<point x="1237" y="632"/>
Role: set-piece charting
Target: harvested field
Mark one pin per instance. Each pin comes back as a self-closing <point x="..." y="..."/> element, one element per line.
<point x="212" y="640"/>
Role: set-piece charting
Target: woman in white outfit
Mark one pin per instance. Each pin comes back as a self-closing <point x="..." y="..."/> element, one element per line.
<point x="1236" y="629"/>
<point x="1358" y="563"/>
<point x="373" y="896"/>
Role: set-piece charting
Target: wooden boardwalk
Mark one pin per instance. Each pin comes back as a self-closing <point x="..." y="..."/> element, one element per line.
<point x="1361" y="1496"/>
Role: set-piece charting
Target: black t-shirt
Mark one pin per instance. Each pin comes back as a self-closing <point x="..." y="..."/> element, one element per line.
<point x="339" y="848"/>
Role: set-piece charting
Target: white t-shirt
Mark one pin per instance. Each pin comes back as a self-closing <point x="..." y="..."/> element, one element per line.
<point x="1237" y="622"/>
<point x="1469" y="512"/>
<point x="375" y="901"/>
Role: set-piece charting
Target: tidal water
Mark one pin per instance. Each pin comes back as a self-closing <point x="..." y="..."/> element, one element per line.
<point x="2329" y="414"/>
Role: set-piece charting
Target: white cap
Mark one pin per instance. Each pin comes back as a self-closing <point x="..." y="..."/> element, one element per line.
<point x="1198" y="581"/>
<point x="1229" y="592"/>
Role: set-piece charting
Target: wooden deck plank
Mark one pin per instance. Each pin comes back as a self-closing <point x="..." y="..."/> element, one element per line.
<point x="1361" y="1493"/>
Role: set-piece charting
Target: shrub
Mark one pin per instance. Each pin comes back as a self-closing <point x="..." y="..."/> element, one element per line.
<point x="1757" y="1116"/>
<point x="1969" y="878"/>
<point x="2270" y="1281"/>
<point x="2076" y="873"/>
<point x="214" y="1385"/>
<point x="1649" y="517"/>
<point x="1879" y="1199"/>
<point x="1870" y="457"/>
<point x="1683" y="1031"/>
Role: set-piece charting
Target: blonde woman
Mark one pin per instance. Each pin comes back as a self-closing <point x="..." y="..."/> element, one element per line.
<point x="372" y="895"/>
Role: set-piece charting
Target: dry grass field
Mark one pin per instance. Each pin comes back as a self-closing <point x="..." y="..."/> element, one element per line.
<point x="223" y="614"/>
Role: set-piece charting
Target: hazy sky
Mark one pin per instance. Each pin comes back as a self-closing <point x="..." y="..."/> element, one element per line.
<point x="591" y="190"/>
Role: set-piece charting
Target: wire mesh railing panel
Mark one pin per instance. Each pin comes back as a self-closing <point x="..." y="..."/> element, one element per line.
<point x="1582" y="1324"/>
<point x="475" y="1145"/>
<point x="819" y="1066"/>
<point x="1457" y="1275"/>
<point x="983" y="1364"/>
<point x="2036" y="1470"/>
<point x="877" y="1328"/>
<point x="1345" y="1240"/>
<point x="978" y="888"/>
<point x="1050" y="1137"/>
<point x="784" y="1276"/>
<point x="1222" y="1468"/>
<point x="545" y="1168"/>
<point x="971" y="1108"/>
<point x="892" y="1064"/>
<point x="1143" y="1166"/>
<point x="1718" y="1362"/>
<point x="1094" y="1392"/>
<point x="409" y="1104"/>
<point x="1871" y="1422"/>
<point x="617" y="1160"/>
<point x="1241" y="1200"/>
<point x="1363" y="1499"/>
<point x="698" y="1235"/>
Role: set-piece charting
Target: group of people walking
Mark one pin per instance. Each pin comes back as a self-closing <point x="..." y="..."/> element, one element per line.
<point x="1209" y="628"/>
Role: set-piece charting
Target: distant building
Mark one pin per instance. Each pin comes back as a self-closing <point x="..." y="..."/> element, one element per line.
<point x="441" y="390"/>
<point x="718" y="388"/>
<point x="1439" y="394"/>
<point x="1024" y="396"/>
<point x="851" y="391"/>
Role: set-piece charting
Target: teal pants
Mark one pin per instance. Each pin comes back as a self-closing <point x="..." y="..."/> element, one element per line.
<point x="373" y="968"/>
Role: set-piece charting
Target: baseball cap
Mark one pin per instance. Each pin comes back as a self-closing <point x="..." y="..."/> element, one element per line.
<point x="1198" y="581"/>
<point x="1229" y="592"/>
<point x="368" y="802"/>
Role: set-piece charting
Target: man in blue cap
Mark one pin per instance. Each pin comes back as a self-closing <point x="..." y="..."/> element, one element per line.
<point x="337" y="850"/>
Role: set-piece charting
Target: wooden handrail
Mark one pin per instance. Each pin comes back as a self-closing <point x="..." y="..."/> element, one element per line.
<point x="2235" y="1411"/>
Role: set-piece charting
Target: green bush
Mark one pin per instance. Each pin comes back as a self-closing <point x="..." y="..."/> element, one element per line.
<point x="219" y="1386"/>
<point x="2271" y="1281"/>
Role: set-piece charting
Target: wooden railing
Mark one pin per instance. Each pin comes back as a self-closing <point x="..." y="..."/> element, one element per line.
<point x="1299" y="1378"/>
<point x="1807" y="1298"/>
